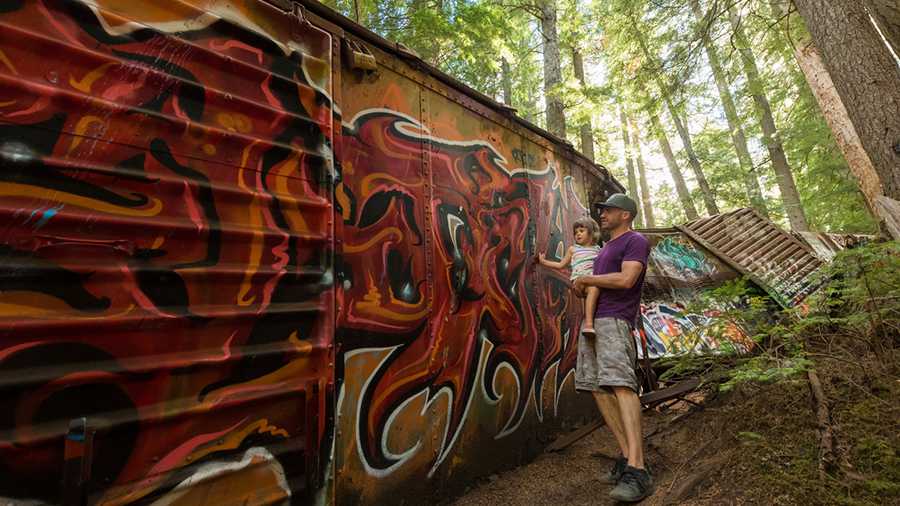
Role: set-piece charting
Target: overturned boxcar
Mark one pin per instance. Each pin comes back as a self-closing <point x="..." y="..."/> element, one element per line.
<point x="253" y="253"/>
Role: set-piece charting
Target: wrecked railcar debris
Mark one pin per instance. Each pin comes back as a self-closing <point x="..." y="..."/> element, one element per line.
<point x="688" y="259"/>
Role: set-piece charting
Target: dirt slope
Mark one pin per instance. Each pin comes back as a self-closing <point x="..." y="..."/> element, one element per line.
<point x="757" y="445"/>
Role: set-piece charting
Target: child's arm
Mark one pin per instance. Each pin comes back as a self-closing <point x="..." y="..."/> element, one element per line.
<point x="562" y="264"/>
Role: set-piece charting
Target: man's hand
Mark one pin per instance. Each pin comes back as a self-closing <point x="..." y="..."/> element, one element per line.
<point x="540" y="259"/>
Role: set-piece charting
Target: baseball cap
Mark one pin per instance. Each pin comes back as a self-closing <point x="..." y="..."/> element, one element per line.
<point x="620" y="201"/>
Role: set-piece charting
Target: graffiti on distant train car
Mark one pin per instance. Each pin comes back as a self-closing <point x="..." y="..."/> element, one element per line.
<point x="162" y="261"/>
<point x="472" y="332"/>
<point x="677" y="257"/>
<point x="671" y="330"/>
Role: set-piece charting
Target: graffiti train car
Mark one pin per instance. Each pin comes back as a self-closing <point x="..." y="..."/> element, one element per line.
<point x="253" y="253"/>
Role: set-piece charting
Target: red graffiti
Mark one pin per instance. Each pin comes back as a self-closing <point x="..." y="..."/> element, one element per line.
<point x="484" y="221"/>
<point x="164" y="266"/>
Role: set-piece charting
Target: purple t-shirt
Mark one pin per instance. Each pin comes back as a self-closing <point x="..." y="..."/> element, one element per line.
<point x="618" y="303"/>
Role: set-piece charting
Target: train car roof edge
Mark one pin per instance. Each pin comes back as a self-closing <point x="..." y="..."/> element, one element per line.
<point x="330" y="15"/>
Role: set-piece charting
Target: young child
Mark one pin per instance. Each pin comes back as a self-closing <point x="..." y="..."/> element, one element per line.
<point x="581" y="259"/>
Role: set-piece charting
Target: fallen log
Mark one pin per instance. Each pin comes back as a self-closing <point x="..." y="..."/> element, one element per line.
<point x="676" y="390"/>
<point x="823" y="419"/>
<point x="688" y="484"/>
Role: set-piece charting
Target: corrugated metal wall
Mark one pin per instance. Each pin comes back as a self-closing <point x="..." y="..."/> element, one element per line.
<point x="165" y="255"/>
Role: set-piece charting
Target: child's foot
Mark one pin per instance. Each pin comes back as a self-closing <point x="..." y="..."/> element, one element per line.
<point x="588" y="331"/>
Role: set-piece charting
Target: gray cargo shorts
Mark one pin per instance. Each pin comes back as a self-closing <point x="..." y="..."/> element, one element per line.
<point x="607" y="360"/>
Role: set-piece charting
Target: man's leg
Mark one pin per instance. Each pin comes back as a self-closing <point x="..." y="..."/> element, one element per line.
<point x="609" y="408"/>
<point x="629" y="408"/>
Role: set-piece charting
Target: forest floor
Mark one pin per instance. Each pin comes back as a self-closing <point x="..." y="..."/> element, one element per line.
<point x="758" y="444"/>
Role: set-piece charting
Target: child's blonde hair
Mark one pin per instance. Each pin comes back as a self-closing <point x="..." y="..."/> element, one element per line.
<point x="591" y="227"/>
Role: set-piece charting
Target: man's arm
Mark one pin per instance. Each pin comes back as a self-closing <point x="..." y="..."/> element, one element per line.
<point x="631" y="271"/>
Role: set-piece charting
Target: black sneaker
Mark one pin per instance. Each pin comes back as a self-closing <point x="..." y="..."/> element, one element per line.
<point x="634" y="485"/>
<point x="612" y="476"/>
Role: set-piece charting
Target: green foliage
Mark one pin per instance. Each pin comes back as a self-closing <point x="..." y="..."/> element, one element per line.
<point x="861" y="299"/>
<point x="668" y="208"/>
<point x="713" y="147"/>
<point x="462" y="38"/>
<point x="634" y="52"/>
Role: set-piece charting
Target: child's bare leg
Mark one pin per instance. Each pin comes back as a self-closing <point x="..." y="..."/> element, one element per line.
<point x="590" y="305"/>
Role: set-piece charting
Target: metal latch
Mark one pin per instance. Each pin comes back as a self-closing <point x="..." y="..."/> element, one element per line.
<point x="358" y="56"/>
<point x="290" y="7"/>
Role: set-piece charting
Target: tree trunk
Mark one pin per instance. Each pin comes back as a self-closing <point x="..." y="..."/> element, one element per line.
<point x="887" y="14"/>
<point x="646" y="203"/>
<point x="506" y="81"/>
<point x="866" y="77"/>
<point x="738" y="137"/>
<point x="839" y="121"/>
<point x="845" y="135"/>
<point x="629" y="167"/>
<point x="793" y="206"/>
<point x="684" y="195"/>
<point x="556" y="120"/>
<point x="586" y="130"/>
<point x="708" y="197"/>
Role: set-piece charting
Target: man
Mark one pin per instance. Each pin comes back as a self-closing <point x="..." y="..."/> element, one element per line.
<point x="606" y="363"/>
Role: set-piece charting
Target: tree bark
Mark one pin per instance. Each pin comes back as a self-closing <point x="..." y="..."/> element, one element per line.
<point x="556" y="120"/>
<point x="866" y="77"/>
<point x="708" y="197"/>
<point x="793" y="206"/>
<point x="684" y="195"/>
<point x="735" y="127"/>
<point x="839" y="121"/>
<point x="585" y="129"/>
<point x="506" y="81"/>
<point x="887" y="14"/>
<point x="629" y="166"/>
<point x="646" y="203"/>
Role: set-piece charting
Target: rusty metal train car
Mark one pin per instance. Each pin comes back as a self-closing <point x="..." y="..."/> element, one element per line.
<point x="252" y="253"/>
